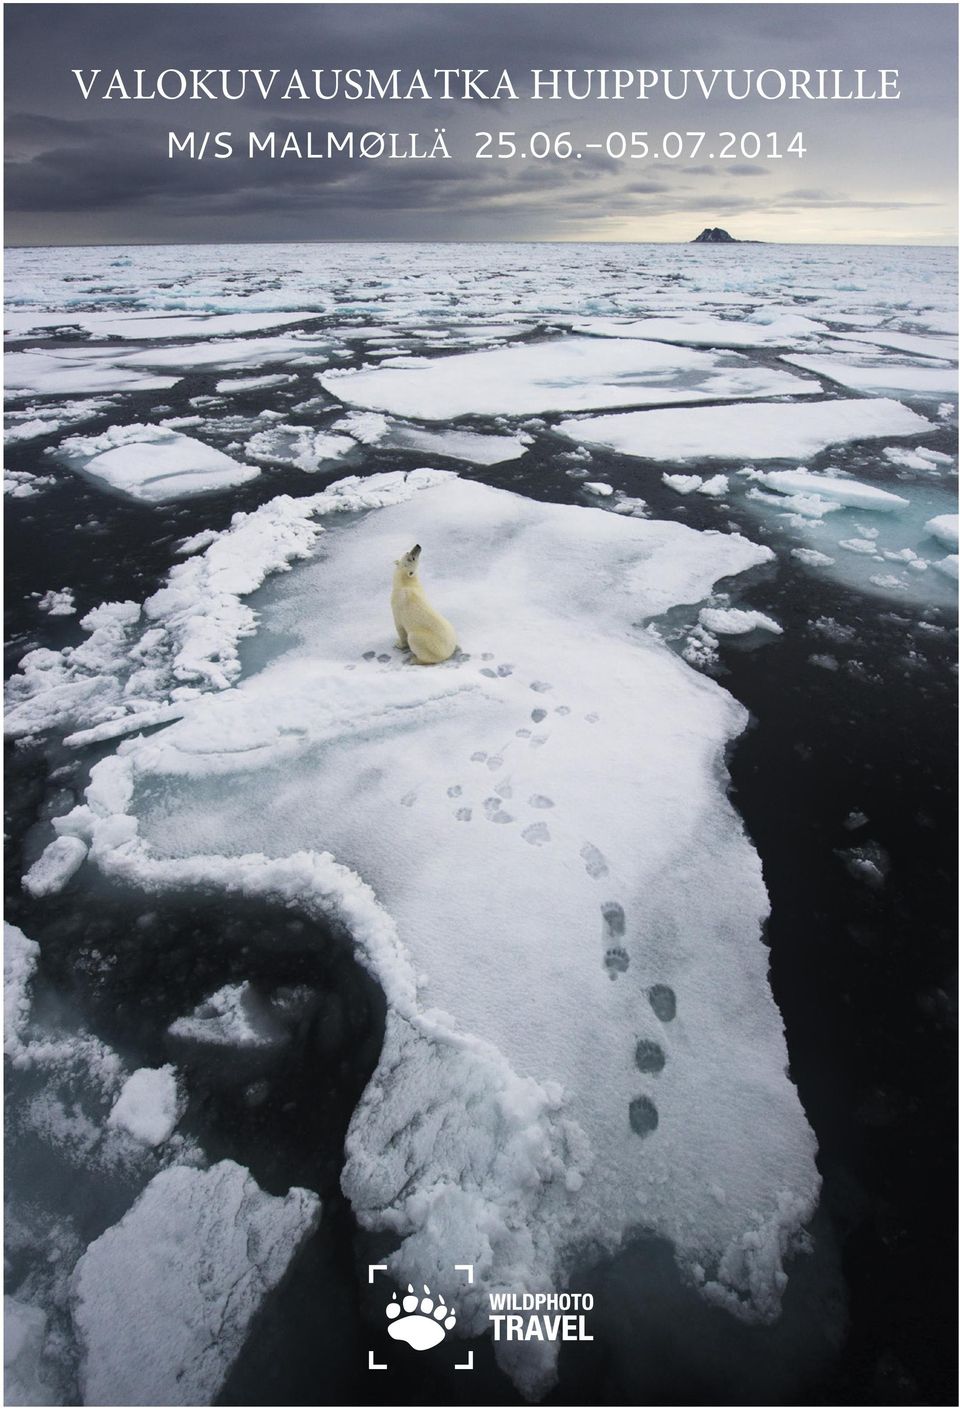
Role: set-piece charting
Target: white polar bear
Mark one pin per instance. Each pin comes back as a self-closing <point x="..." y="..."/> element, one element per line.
<point x="427" y="634"/>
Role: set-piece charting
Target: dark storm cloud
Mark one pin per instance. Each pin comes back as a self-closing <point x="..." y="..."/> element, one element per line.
<point x="99" y="170"/>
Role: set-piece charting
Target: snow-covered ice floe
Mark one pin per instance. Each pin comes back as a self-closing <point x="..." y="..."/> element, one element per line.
<point x="533" y="851"/>
<point x="163" y="1299"/>
<point x="888" y="374"/>
<point x="944" y="528"/>
<point x="153" y="464"/>
<point x="790" y="329"/>
<point x="138" y="326"/>
<point x="774" y="431"/>
<point x="567" y="374"/>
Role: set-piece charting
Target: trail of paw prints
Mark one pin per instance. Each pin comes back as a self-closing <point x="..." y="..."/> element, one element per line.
<point x="650" y="1058"/>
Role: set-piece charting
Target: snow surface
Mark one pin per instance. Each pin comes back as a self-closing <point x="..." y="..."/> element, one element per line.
<point x="773" y="431"/>
<point x="151" y="464"/>
<point x="149" y="1106"/>
<point x="571" y="373"/>
<point x="163" y="1299"/>
<point x="523" y="1122"/>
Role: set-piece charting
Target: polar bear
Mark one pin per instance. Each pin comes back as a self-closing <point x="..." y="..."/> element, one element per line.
<point x="427" y="634"/>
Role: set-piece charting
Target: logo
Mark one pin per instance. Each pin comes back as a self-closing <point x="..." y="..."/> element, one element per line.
<point x="423" y="1323"/>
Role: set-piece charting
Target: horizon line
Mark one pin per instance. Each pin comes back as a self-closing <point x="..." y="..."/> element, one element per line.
<point x="360" y="239"/>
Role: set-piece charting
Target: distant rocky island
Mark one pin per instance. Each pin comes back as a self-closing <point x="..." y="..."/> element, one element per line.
<point x="718" y="236"/>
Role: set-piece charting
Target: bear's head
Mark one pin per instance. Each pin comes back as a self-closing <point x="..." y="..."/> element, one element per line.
<point x="409" y="562"/>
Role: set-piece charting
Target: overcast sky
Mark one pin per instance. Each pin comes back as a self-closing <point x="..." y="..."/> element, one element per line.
<point x="93" y="171"/>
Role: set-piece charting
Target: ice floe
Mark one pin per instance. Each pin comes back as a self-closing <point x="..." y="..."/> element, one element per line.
<point x="163" y="1299"/>
<point x="885" y="375"/>
<point x="696" y="330"/>
<point x="36" y="420"/>
<point x="149" y="1105"/>
<point x="850" y="492"/>
<point x="234" y="1015"/>
<point x="508" y="1121"/>
<point x="21" y="484"/>
<point x="774" y="431"/>
<point x="57" y="603"/>
<point x="298" y="445"/>
<point x="459" y="444"/>
<point x="138" y="327"/>
<point x="25" y="1376"/>
<point x="944" y="528"/>
<point x="729" y="621"/>
<point x="152" y="464"/>
<point x="252" y="383"/>
<point x="52" y="870"/>
<point x="62" y="373"/>
<point x="572" y="373"/>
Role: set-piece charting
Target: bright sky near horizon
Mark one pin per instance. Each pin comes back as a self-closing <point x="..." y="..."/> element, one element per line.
<point x="88" y="171"/>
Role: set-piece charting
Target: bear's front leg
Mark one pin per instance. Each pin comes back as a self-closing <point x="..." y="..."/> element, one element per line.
<point x="401" y="642"/>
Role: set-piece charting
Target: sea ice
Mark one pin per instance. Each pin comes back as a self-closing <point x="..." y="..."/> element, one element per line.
<point x="944" y="528"/>
<point x="836" y="490"/>
<point x="927" y="461"/>
<point x="729" y="621"/>
<point x="58" y="603"/>
<point x="36" y="420"/>
<point x="149" y="1105"/>
<point x="232" y="1016"/>
<point x="56" y="373"/>
<point x="790" y="329"/>
<point x="298" y="445"/>
<point x="252" y="383"/>
<point x="61" y="860"/>
<point x="683" y="483"/>
<point x="138" y="327"/>
<point x="20" y="484"/>
<point x="502" y="1124"/>
<point x="885" y="375"/>
<point x="459" y="444"/>
<point x="944" y="347"/>
<point x="25" y="1378"/>
<point x="163" y="1300"/>
<point x="714" y="487"/>
<point x="811" y="557"/>
<point x="154" y="465"/>
<point x="772" y="431"/>
<point x="571" y="373"/>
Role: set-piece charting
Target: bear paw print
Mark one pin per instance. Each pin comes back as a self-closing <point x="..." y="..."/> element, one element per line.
<point x="423" y="1323"/>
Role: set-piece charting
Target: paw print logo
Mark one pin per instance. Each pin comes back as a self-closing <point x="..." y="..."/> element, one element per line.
<point x="423" y="1322"/>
